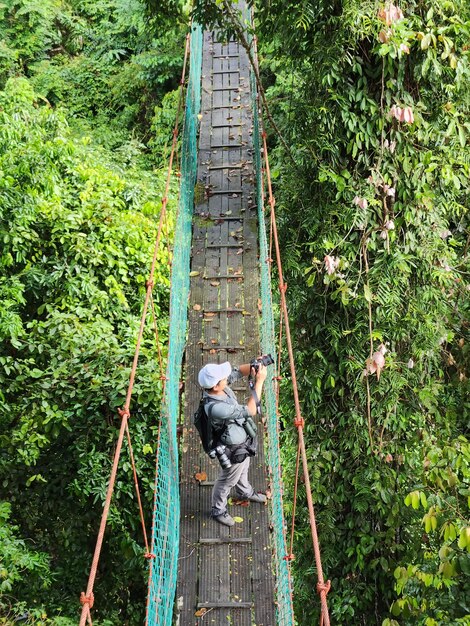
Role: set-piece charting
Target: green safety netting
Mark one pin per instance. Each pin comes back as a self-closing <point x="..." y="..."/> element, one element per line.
<point x="166" y="515"/>
<point x="285" y="613"/>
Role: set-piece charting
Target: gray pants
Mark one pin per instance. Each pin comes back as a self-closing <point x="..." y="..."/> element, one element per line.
<point x="235" y="476"/>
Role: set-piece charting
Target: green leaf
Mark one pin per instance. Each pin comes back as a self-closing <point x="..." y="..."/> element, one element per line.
<point x="464" y="538"/>
<point x="37" y="478"/>
<point x="423" y="500"/>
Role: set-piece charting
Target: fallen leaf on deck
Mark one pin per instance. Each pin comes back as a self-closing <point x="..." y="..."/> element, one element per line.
<point x="200" y="476"/>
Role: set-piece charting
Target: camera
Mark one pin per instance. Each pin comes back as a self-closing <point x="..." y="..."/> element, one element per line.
<point x="266" y="359"/>
<point x="219" y="452"/>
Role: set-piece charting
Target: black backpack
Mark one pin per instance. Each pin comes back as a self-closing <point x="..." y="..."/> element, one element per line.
<point x="207" y="433"/>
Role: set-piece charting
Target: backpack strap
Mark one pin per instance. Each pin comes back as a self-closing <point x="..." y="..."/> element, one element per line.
<point x="251" y="384"/>
<point x="208" y="405"/>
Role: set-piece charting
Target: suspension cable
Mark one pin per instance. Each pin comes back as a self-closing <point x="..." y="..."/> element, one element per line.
<point x="87" y="598"/>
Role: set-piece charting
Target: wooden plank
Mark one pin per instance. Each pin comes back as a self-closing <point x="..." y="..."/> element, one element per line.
<point x="226" y="166"/>
<point x="226" y="540"/>
<point x="225" y="605"/>
<point x="224" y="277"/>
<point x="241" y="562"/>
<point x="215" y="348"/>
<point x="224" y="310"/>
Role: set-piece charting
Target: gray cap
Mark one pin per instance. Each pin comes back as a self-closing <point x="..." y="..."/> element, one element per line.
<point x="212" y="373"/>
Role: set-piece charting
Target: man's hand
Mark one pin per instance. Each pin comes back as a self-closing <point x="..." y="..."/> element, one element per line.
<point x="260" y="377"/>
<point x="261" y="374"/>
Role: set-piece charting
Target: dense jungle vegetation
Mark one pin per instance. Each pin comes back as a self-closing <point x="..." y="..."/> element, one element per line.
<point x="372" y="102"/>
<point x="87" y="101"/>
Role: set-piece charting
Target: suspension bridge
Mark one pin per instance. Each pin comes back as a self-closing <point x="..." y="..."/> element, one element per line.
<point x="220" y="310"/>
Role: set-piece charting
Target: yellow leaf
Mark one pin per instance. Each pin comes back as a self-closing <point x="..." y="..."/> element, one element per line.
<point x="238" y="519"/>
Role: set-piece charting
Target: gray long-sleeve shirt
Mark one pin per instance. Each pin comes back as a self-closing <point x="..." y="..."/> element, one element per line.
<point x="226" y="411"/>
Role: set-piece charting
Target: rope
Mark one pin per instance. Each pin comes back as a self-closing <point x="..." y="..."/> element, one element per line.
<point x="89" y="602"/>
<point x="322" y="587"/>
<point x="137" y="490"/>
<point x="87" y="598"/>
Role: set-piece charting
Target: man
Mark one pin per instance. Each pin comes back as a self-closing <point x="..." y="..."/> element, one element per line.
<point x="228" y="417"/>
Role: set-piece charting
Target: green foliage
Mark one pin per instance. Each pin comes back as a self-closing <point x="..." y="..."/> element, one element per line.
<point x="19" y="563"/>
<point x="163" y="123"/>
<point x="441" y="558"/>
<point x="108" y="61"/>
<point x="374" y="224"/>
<point x="77" y="234"/>
<point x="223" y="15"/>
<point x="26" y="32"/>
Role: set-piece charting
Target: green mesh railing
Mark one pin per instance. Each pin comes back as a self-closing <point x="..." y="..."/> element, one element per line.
<point x="166" y="515"/>
<point x="285" y="613"/>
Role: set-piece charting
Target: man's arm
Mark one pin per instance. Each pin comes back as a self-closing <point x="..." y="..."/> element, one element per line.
<point x="244" y="369"/>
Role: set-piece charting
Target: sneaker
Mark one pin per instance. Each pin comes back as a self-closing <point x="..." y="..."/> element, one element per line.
<point x="225" y="519"/>
<point x="255" y="497"/>
<point x="258" y="497"/>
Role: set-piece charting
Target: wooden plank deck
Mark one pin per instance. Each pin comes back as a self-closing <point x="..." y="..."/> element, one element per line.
<point x="228" y="571"/>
